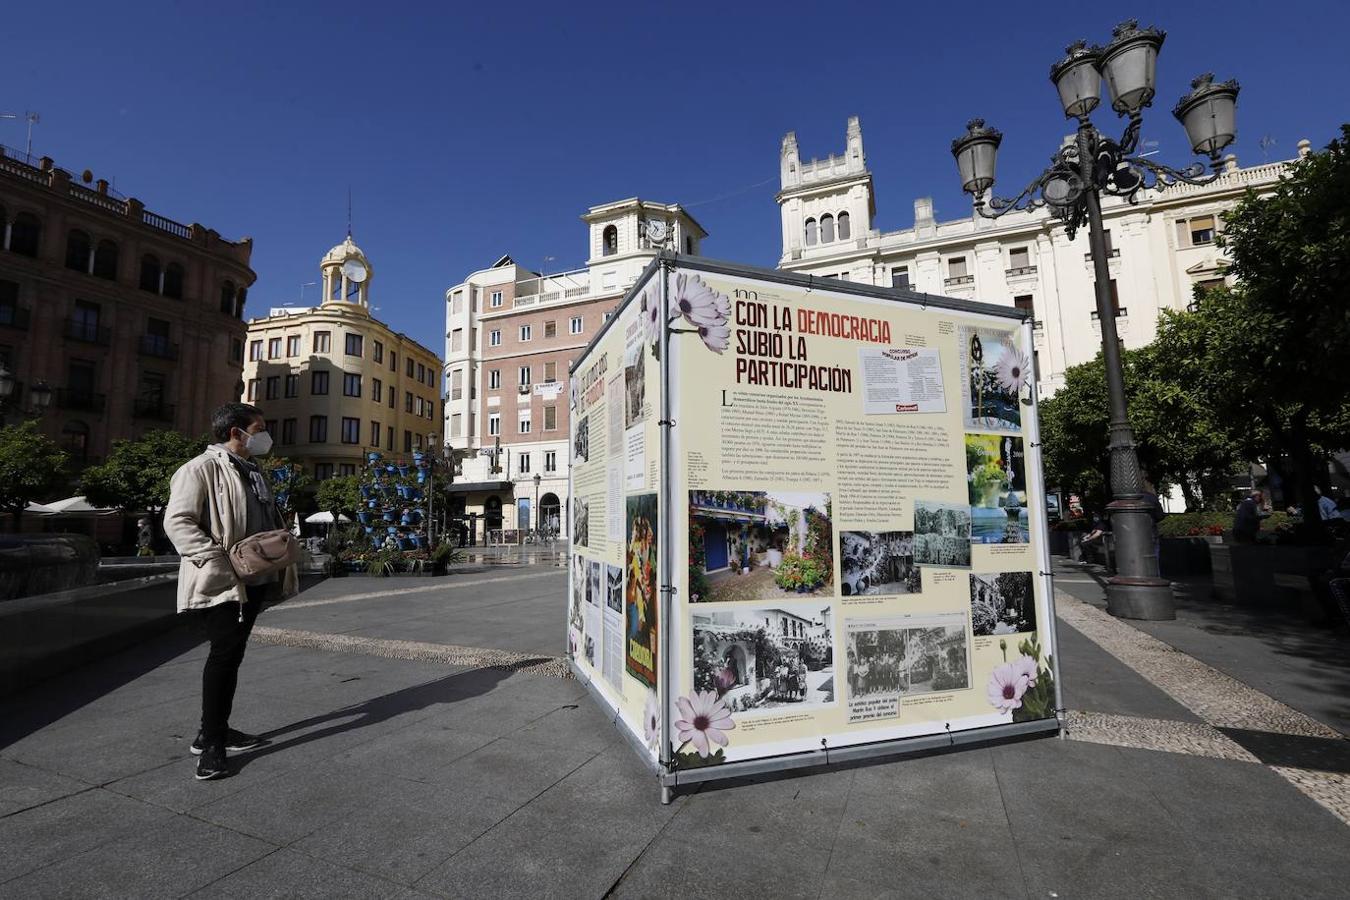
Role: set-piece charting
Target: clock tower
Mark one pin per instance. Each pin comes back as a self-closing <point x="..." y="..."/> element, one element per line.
<point x="346" y="276"/>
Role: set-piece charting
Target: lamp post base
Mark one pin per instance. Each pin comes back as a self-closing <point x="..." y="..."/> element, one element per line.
<point x="1140" y="598"/>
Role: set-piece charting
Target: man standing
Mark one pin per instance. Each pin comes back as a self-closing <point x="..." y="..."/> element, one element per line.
<point x="216" y="500"/>
<point x="1247" y="520"/>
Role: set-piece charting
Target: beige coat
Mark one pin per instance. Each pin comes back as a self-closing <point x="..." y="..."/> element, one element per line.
<point x="205" y="516"/>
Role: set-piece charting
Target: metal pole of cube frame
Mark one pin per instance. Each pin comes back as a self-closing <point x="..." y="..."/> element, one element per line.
<point x="665" y="531"/>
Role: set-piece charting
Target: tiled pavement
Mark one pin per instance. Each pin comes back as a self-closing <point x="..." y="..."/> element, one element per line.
<point x="424" y="745"/>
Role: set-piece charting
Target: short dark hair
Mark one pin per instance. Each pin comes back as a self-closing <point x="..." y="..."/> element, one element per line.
<point x="232" y="415"/>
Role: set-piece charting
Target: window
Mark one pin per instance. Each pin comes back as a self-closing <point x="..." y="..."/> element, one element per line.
<point x="78" y="250"/>
<point x="494" y="423"/>
<point x="417" y="440"/>
<point x="457" y="340"/>
<point x="550" y="460"/>
<point x="1110" y="246"/>
<point x="407" y="401"/>
<point x="105" y="260"/>
<point x="288" y="431"/>
<point x="353" y="347"/>
<point x="347" y="469"/>
<point x="575" y="325"/>
<point x="351" y="384"/>
<point x="318" y="429"/>
<point x="494" y="379"/>
<point x="550" y="372"/>
<point x="523" y="467"/>
<point x="1116" y="309"/>
<point x="374" y="433"/>
<point x="236" y="350"/>
<point x="293" y="345"/>
<point x="609" y="241"/>
<point x="421" y="407"/>
<point x="24" y="234"/>
<point x="826" y="229"/>
<point x="410" y="367"/>
<point x="377" y="392"/>
<point x="421" y="373"/>
<point x="318" y="383"/>
<point x="377" y="353"/>
<point x="393" y="397"/>
<point x="323" y="471"/>
<point x="456" y="425"/>
<point x="227" y="297"/>
<point x="525" y="425"/>
<point x="524" y="333"/>
<point x="900" y="278"/>
<point x="255" y="350"/>
<point x="407" y="442"/>
<point x="389" y="435"/>
<point x="173" y="283"/>
<point x="551" y="328"/>
<point x="495" y="300"/>
<point x="550" y="418"/>
<point x="252" y="390"/>
<point x="273" y="387"/>
<point x="843" y="226"/>
<point x="812" y="232"/>
<point x="494" y="338"/>
<point x="351" y="430"/>
<point x="292" y="386"/>
<point x="321" y="342"/>
<point x="1027" y="304"/>
<point x="1198" y="231"/>
<point x="75" y="440"/>
<point x="1019" y="258"/>
<point x="393" y="362"/>
<point x="956" y="267"/>
<point x="151" y="273"/>
<point x="273" y="347"/>
<point x="524" y="380"/>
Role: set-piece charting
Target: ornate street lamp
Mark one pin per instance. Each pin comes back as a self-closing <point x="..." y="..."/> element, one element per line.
<point x="1084" y="168"/>
<point x="537" y="478"/>
<point x="39" y="396"/>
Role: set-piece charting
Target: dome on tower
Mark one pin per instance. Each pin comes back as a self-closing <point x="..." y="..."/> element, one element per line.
<point x="343" y="252"/>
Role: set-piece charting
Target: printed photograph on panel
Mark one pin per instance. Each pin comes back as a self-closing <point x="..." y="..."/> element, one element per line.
<point x="941" y="534"/>
<point x="595" y="585"/>
<point x="640" y="592"/>
<point x="759" y="545"/>
<point x="581" y="441"/>
<point x="995" y="376"/>
<point x="634" y="384"/>
<point x="614" y="588"/>
<point x="893" y="658"/>
<point x="877" y="562"/>
<point x="581" y="522"/>
<point x="574" y="614"/>
<point x="997" y="483"/>
<point x="1002" y="603"/>
<point x="765" y="658"/>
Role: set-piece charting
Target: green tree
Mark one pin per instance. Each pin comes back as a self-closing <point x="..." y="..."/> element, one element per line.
<point x="31" y="468"/>
<point x="1290" y="252"/>
<point x="290" y="484"/>
<point x="340" y="495"/>
<point x="135" y="477"/>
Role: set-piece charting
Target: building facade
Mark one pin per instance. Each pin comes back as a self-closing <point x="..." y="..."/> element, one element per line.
<point x="1162" y="248"/>
<point x="129" y="320"/>
<point x="511" y="334"/>
<point x="334" y="382"/>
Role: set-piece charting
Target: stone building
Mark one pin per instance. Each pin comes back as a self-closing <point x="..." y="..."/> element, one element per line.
<point x="1162" y="248"/>
<point x="335" y="382"/>
<point x="510" y="335"/>
<point x="126" y="320"/>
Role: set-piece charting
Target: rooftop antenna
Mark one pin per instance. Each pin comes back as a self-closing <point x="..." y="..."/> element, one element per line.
<point x="349" y="212"/>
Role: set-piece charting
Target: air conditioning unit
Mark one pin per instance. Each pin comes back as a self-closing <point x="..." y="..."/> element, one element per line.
<point x="524" y="388"/>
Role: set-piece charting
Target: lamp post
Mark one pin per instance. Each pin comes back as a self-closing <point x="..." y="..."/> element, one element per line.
<point x="433" y="457"/>
<point x="1083" y="169"/>
<point x="40" y="397"/>
<point x="537" y="478"/>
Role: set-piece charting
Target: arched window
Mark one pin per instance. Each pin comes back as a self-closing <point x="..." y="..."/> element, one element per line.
<point x="550" y="512"/>
<point x="173" y="281"/>
<point x="827" y="229"/>
<point x="105" y="260"/>
<point x="227" y="297"/>
<point x="75" y="440"/>
<point x="151" y="272"/>
<point x="811" y="232"/>
<point x="25" y="234"/>
<point x="843" y="226"/>
<point x="610" y="241"/>
<point x="78" y="246"/>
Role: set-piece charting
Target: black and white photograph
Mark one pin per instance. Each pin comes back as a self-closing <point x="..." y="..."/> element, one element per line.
<point x="614" y="588"/>
<point x="578" y="592"/>
<point x="941" y="534"/>
<point x="766" y="658"/>
<point x="634" y="383"/>
<point x="581" y="522"/>
<point x="595" y="585"/>
<point x="888" y="659"/>
<point x="878" y="562"/>
<point x="581" y="441"/>
<point x="1002" y="603"/>
<point x="611" y="645"/>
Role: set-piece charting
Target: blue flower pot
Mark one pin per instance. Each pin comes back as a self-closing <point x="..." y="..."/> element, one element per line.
<point x="363" y="518"/>
<point x="418" y="456"/>
<point x="391" y="530"/>
<point x="389" y="517"/>
<point x="371" y="504"/>
<point x="421" y="476"/>
<point x="372" y="457"/>
<point x="390" y="468"/>
<point x="402" y="470"/>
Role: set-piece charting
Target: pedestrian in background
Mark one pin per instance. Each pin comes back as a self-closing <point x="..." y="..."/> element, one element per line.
<point x="1247" y="520"/>
<point x="217" y="500"/>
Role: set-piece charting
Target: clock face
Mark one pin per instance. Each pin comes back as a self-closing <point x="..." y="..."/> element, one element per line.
<point x="656" y="231"/>
<point x="355" y="270"/>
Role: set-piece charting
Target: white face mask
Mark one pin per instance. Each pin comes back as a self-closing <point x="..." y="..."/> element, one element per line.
<point x="258" y="444"/>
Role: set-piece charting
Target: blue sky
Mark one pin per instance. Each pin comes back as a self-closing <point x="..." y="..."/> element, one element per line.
<point x="466" y="132"/>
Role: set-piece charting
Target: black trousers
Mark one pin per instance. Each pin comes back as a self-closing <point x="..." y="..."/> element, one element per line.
<point x="228" y="633"/>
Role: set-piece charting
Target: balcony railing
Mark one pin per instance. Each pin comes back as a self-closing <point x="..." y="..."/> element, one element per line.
<point x="959" y="279"/>
<point x="88" y="332"/>
<point x="15" y="317"/>
<point x="152" y="408"/>
<point x="1114" y="253"/>
<point x="1020" y="270"/>
<point x="158" y="346"/>
<point x="88" y="401"/>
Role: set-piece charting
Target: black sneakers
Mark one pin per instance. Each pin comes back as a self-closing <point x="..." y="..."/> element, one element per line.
<point x="235" y="742"/>
<point x="211" y="763"/>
